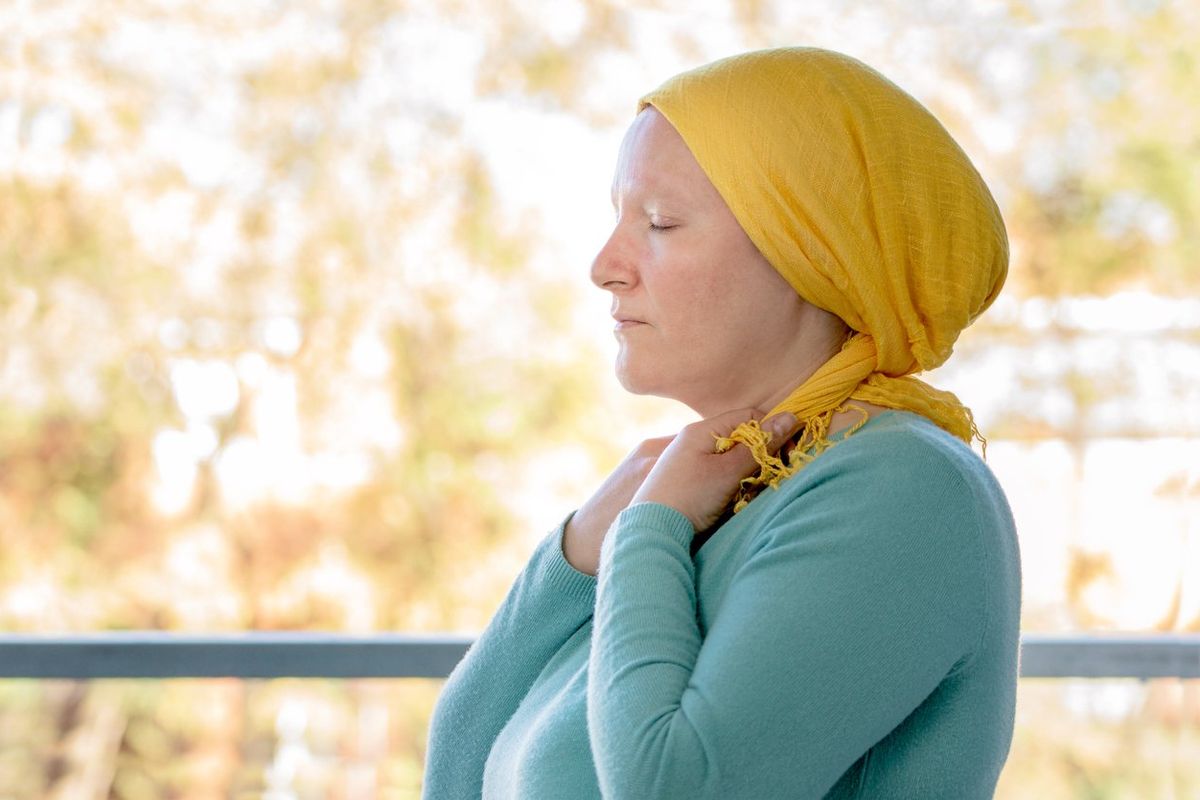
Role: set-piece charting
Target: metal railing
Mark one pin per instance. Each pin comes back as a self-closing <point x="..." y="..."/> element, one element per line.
<point x="263" y="654"/>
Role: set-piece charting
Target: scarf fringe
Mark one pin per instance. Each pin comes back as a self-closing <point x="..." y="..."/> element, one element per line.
<point x="814" y="437"/>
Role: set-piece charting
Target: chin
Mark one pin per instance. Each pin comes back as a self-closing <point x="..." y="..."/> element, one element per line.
<point x="629" y="383"/>
<point x="651" y="385"/>
<point x="637" y="381"/>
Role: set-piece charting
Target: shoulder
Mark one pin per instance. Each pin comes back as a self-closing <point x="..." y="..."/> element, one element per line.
<point x="903" y="453"/>
<point x="899" y="477"/>
<point x="903" y="519"/>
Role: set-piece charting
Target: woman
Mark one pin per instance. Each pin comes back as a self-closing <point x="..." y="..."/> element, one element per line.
<point x="741" y="612"/>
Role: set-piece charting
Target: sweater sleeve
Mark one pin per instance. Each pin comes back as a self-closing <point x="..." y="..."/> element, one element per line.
<point x="547" y="603"/>
<point x="857" y="597"/>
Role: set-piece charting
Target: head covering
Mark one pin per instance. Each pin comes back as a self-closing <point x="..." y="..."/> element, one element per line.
<point x="863" y="202"/>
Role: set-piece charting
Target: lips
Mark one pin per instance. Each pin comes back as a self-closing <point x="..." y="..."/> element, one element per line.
<point x="625" y="321"/>
<point x="621" y="317"/>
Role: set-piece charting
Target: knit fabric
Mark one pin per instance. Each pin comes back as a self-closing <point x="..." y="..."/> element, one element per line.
<point x="864" y="203"/>
<point x="852" y="635"/>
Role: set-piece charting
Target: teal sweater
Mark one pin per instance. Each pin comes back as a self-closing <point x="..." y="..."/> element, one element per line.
<point x="853" y="634"/>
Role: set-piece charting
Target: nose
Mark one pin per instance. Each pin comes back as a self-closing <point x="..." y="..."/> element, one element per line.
<point x="613" y="267"/>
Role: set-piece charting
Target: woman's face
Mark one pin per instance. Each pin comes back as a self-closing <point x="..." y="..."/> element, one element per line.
<point x="701" y="316"/>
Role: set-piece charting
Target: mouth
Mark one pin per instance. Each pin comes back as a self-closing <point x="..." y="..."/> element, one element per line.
<point x="626" y="324"/>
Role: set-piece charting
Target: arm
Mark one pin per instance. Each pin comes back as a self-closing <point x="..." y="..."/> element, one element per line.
<point x="546" y="604"/>
<point x="550" y="600"/>
<point x="856" y="600"/>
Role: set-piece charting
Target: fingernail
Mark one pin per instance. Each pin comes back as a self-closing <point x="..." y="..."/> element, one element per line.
<point x="782" y="424"/>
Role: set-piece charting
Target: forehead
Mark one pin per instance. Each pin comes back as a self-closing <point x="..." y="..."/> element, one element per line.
<point x="654" y="159"/>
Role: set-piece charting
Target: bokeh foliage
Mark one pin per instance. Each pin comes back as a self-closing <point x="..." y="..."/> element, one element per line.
<point x="268" y="200"/>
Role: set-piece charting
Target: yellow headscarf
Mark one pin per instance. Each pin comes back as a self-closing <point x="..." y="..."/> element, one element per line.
<point x="860" y="198"/>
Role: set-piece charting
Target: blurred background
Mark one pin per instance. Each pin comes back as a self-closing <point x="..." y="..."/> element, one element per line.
<point x="296" y="332"/>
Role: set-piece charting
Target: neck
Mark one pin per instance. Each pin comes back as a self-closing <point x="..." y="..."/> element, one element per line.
<point x="766" y="393"/>
<point x="772" y="374"/>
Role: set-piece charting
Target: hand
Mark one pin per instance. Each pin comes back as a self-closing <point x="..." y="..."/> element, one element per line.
<point x="586" y="529"/>
<point x="699" y="483"/>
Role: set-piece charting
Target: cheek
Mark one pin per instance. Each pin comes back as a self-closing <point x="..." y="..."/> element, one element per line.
<point x="694" y="285"/>
<point x="707" y="295"/>
<point x="738" y="307"/>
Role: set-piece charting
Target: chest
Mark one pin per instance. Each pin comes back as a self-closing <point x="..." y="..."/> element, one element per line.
<point x="544" y="751"/>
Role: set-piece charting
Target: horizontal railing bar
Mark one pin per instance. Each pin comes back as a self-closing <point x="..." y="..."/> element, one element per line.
<point x="1110" y="656"/>
<point x="271" y="654"/>
<point x="258" y="654"/>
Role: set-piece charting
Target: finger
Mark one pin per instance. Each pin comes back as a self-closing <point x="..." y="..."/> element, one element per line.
<point x="724" y="424"/>
<point x="780" y="426"/>
<point x="711" y="435"/>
